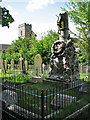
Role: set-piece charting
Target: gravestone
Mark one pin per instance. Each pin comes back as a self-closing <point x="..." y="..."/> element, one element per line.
<point x="61" y="100"/>
<point x="64" y="65"/>
<point x="26" y="65"/>
<point x="12" y="64"/>
<point x="2" y="66"/>
<point x="37" y="65"/>
<point x="8" y="97"/>
<point x="5" y="64"/>
<point x="21" y="64"/>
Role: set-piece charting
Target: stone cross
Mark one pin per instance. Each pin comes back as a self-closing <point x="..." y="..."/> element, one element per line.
<point x="37" y="64"/>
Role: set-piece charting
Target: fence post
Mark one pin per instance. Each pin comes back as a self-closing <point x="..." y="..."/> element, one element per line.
<point x="42" y="104"/>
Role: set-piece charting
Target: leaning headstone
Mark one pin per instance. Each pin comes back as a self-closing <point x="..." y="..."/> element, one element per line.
<point x="61" y="100"/>
<point x="37" y="65"/>
<point x="85" y="88"/>
<point x="26" y="65"/>
<point x="12" y="64"/>
<point x="5" y="64"/>
<point x="8" y="97"/>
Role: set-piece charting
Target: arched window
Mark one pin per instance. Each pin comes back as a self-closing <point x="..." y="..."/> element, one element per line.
<point x="21" y="33"/>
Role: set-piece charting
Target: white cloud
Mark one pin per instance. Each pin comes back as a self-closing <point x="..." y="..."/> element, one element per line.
<point x="38" y="4"/>
<point x="12" y="11"/>
<point x="41" y="28"/>
<point x="9" y="7"/>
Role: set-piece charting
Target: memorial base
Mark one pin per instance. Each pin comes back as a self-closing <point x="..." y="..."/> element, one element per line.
<point x="60" y="83"/>
<point x="36" y="79"/>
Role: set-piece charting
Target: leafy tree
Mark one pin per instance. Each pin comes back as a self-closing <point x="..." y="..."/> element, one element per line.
<point x="43" y="47"/>
<point x="6" y="17"/>
<point x="29" y="47"/>
<point x="79" y="14"/>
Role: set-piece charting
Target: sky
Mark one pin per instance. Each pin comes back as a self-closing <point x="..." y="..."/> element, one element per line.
<point x="40" y="13"/>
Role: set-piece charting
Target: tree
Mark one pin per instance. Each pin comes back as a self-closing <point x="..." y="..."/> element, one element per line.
<point x="79" y="14"/>
<point x="29" y="47"/>
<point x="43" y="47"/>
<point x="6" y="17"/>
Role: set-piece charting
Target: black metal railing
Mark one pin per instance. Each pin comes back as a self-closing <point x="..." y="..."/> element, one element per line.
<point x="44" y="104"/>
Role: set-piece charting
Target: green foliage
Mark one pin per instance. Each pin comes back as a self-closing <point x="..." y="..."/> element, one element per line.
<point x="29" y="47"/>
<point x="79" y="14"/>
<point x="6" y="17"/>
<point x="44" y="45"/>
<point x="20" y="78"/>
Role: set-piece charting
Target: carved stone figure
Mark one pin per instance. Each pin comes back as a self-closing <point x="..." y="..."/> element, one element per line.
<point x="64" y="66"/>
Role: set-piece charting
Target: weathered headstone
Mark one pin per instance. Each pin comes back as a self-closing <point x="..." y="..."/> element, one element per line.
<point x="8" y="97"/>
<point x="61" y="100"/>
<point x="21" y="63"/>
<point x="5" y="64"/>
<point x="2" y="66"/>
<point x="26" y="65"/>
<point x="37" y="65"/>
<point x="12" y="64"/>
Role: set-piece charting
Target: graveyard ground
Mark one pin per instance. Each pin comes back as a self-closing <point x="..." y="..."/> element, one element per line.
<point x="23" y="83"/>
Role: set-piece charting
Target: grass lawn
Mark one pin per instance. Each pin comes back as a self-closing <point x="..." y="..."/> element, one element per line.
<point x="84" y="75"/>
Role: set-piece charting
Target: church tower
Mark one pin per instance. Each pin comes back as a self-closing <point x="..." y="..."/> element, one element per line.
<point x="25" y="30"/>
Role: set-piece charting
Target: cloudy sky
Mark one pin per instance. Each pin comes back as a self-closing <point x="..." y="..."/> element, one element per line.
<point x="40" y="13"/>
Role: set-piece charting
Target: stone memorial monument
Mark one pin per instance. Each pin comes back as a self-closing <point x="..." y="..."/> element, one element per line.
<point x="64" y="66"/>
<point x="12" y="64"/>
<point x="37" y="65"/>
